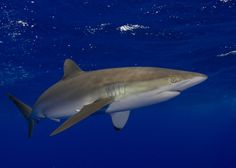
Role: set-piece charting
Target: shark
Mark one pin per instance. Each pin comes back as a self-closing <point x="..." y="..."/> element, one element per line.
<point x="118" y="91"/>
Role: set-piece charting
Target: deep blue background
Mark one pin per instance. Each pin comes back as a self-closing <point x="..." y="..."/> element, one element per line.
<point x="195" y="130"/>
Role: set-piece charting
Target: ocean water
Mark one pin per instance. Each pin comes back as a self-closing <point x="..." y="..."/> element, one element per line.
<point x="195" y="130"/>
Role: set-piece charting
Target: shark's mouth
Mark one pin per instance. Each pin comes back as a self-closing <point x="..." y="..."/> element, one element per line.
<point x="177" y="91"/>
<point x="183" y="85"/>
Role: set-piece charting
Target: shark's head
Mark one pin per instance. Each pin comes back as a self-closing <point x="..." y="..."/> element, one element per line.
<point x="148" y="86"/>
<point x="182" y="80"/>
<point x="158" y="80"/>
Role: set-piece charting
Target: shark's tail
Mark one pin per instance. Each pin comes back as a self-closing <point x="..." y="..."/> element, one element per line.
<point x="25" y="110"/>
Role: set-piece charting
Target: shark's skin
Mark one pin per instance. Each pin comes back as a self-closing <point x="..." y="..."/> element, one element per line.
<point x="119" y="90"/>
<point x="68" y="96"/>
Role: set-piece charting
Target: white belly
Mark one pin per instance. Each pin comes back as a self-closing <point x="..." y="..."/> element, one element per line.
<point x="140" y="100"/>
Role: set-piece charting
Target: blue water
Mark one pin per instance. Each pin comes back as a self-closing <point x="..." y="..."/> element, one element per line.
<point x="195" y="130"/>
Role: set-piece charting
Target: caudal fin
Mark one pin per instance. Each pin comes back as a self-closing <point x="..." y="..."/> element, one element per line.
<point x="25" y="110"/>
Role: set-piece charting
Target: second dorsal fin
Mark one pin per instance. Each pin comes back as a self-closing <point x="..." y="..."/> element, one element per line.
<point x="71" y="68"/>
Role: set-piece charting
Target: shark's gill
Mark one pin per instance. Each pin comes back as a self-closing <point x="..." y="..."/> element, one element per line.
<point x="116" y="90"/>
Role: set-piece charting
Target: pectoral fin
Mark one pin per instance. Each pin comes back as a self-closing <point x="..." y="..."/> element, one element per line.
<point x="119" y="119"/>
<point x="84" y="113"/>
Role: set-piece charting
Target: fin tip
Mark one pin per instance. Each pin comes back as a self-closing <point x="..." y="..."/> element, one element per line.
<point x="117" y="129"/>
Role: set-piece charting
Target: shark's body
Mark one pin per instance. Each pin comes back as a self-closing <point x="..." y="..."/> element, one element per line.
<point x="114" y="91"/>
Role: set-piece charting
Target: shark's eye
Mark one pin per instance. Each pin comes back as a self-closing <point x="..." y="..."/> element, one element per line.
<point x="174" y="80"/>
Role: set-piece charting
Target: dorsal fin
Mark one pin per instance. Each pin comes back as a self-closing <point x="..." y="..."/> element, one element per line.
<point x="71" y="68"/>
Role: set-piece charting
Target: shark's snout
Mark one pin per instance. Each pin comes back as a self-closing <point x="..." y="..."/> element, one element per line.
<point x="194" y="80"/>
<point x="198" y="79"/>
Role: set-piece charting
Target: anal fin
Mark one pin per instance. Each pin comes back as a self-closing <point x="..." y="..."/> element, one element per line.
<point x="55" y="119"/>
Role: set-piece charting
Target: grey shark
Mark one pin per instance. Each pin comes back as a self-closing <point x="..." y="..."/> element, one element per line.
<point x="116" y="92"/>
